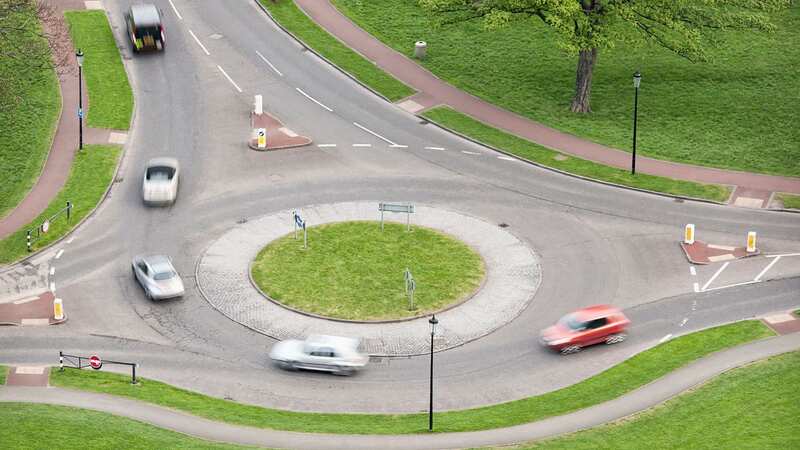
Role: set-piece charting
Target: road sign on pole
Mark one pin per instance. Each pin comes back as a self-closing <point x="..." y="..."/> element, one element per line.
<point x="300" y="223"/>
<point x="412" y="286"/>
<point x="399" y="208"/>
<point x="95" y="362"/>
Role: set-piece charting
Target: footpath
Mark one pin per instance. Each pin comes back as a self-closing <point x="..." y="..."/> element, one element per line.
<point x="752" y="190"/>
<point x="643" y="398"/>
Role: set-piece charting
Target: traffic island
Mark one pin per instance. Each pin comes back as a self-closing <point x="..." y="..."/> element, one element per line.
<point x="702" y="253"/>
<point x="268" y="133"/>
<point x="34" y="310"/>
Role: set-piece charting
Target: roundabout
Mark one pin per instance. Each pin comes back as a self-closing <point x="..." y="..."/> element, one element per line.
<point x="513" y="274"/>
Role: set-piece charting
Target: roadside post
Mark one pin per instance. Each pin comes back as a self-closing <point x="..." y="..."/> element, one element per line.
<point x="58" y="309"/>
<point x="300" y="223"/>
<point x="688" y="234"/>
<point x="397" y="208"/>
<point x="411" y="286"/>
<point x="751" y="242"/>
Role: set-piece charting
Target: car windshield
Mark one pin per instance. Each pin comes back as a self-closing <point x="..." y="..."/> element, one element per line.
<point x="160" y="173"/>
<point x="147" y="31"/>
<point x="572" y="322"/>
<point x="164" y="275"/>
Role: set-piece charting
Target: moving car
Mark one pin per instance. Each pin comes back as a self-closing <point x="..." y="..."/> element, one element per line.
<point x="160" y="184"/>
<point x="587" y="326"/>
<point x="157" y="276"/>
<point x="334" y="354"/>
<point x="145" y="28"/>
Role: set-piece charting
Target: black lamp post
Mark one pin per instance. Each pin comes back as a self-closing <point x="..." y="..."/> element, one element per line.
<point x="79" y="56"/>
<point x="637" y="78"/>
<point x="433" y="323"/>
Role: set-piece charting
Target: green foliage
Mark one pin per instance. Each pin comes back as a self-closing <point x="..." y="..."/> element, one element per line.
<point x="789" y="201"/>
<point x="3" y="374"/>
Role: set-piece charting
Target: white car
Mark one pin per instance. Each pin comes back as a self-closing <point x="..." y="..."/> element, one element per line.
<point x="160" y="183"/>
<point x="334" y="354"/>
<point x="158" y="277"/>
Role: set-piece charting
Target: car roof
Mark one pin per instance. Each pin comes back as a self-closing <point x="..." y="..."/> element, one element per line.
<point x="157" y="262"/>
<point x="163" y="161"/>
<point x="145" y="15"/>
<point x="322" y="340"/>
<point x="595" y="311"/>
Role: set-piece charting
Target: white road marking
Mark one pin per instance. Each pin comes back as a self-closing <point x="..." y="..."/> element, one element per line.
<point x="313" y="99"/>
<point x="229" y="78"/>
<point x="719" y="258"/>
<point x="69" y="241"/>
<point x="362" y="145"/>
<point x="665" y="338"/>
<point x="25" y="300"/>
<point x="696" y="286"/>
<point x="60" y="252"/>
<point x="785" y="254"/>
<point x="176" y="10"/>
<point x="374" y="133"/>
<point x="200" y="43"/>
<point x="52" y="271"/>
<point x="769" y="266"/>
<point x="692" y="270"/>
<point x="398" y="146"/>
<point x="52" y="286"/>
<point x="731" y="285"/>
<point x="694" y="304"/>
<point x="469" y="153"/>
<point x="506" y="158"/>
<point x="715" y="276"/>
<point x="269" y="63"/>
<point x="434" y="148"/>
<point x="326" y="145"/>
<point x="35" y="322"/>
<point x="685" y="319"/>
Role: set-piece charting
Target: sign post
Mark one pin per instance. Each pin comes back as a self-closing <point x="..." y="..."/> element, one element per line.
<point x="411" y="286"/>
<point x="399" y="208"/>
<point x="300" y="223"/>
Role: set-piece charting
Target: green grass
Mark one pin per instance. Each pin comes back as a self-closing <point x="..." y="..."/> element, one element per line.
<point x="789" y="201"/>
<point x="753" y="407"/>
<point x="295" y="20"/>
<point x="89" y="177"/>
<point x="542" y="155"/>
<point x="110" y="96"/>
<point x="355" y="271"/>
<point x="27" y="122"/>
<point x="738" y="111"/>
<point x="3" y="374"/>
<point x="32" y="426"/>
<point x="625" y="377"/>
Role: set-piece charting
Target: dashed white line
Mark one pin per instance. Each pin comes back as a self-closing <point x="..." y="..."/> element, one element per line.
<point x="785" y="254"/>
<point x="696" y="286"/>
<point x="715" y="276"/>
<point x="52" y="286"/>
<point x="326" y="145"/>
<point x="60" y="252"/>
<point x="313" y="99"/>
<point x="52" y="271"/>
<point x="373" y="133"/>
<point x="199" y="43"/>
<point x="69" y="241"/>
<point x="694" y="304"/>
<point x="469" y="153"/>
<point x="229" y="78"/>
<point x="685" y="319"/>
<point x="176" y="10"/>
<point x="769" y="266"/>
<point x="434" y="148"/>
<point x="506" y="158"/>
<point x="362" y="145"/>
<point x="269" y="63"/>
<point x="665" y="338"/>
<point x="692" y="270"/>
<point x="398" y="146"/>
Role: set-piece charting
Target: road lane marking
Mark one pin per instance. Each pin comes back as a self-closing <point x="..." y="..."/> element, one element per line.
<point x="373" y="133"/>
<point x="715" y="276"/>
<point x="469" y="153"/>
<point x="362" y="145"/>
<point x="229" y="78"/>
<point x="60" y="252"/>
<point x="398" y="146"/>
<point x="696" y="286"/>
<point x="434" y="148"/>
<point x="313" y="99"/>
<point x="200" y="43"/>
<point x="731" y="285"/>
<point x="269" y="63"/>
<point x="52" y="286"/>
<point x="176" y="10"/>
<point x="694" y="304"/>
<point x="769" y="266"/>
<point x="785" y="254"/>
<point x="52" y="271"/>
<point x="685" y="319"/>
<point x="665" y="338"/>
<point x="69" y="241"/>
<point x="506" y="158"/>
<point x="721" y="258"/>
<point x="692" y="270"/>
<point x="326" y="145"/>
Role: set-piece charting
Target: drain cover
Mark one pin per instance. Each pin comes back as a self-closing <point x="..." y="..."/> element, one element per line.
<point x="503" y="225"/>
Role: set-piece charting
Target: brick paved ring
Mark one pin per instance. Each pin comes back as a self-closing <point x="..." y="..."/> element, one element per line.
<point x="513" y="274"/>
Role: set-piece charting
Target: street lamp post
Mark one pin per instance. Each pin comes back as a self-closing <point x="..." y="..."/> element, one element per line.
<point x="433" y="323"/>
<point x="637" y="78"/>
<point x="79" y="56"/>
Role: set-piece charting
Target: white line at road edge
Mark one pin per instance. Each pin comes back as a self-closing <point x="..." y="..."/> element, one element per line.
<point x="434" y="148"/>
<point x="785" y="254"/>
<point x="692" y="270"/>
<point x="769" y="266"/>
<point x="665" y="338"/>
<point x="313" y="99"/>
<point x="715" y="276"/>
<point x="69" y="241"/>
<point x="469" y="153"/>
<point x="270" y="64"/>
<point x="199" y="43"/>
<point x="362" y="145"/>
<point x="229" y="78"/>
<point x="731" y="285"/>
<point x="374" y="133"/>
<point x="326" y="145"/>
<point x="176" y="10"/>
<point x="60" y="252"/>
<point x="398" y="146"/>
<point x="696" y="286"/>
<point x="506" y="158"/>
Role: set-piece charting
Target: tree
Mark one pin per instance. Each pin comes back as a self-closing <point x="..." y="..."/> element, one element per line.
<point x="685" y="27"/>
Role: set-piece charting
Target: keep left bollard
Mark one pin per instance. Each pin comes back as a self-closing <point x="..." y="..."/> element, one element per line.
<point x="58" y="309"/>
<point x="751" y="242"/>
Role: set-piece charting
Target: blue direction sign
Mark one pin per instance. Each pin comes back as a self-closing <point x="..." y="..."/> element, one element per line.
<point x="300" y="222"/>
<point x="80" y="113"/>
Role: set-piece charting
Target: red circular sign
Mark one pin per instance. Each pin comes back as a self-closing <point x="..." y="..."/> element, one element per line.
<point x="95" y="362"/>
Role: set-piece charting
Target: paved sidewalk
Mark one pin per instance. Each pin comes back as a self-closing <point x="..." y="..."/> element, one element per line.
<point x="433" y="91"/>
<point x="645" y="397"/>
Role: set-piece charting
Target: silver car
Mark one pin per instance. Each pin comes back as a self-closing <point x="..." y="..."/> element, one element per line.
<point x="160" y="184"/>
<point x="158" y="277"/>
<point x="334" y="354"/>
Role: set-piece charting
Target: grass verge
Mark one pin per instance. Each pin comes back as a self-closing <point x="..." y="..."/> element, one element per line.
<point x="789" y="201"/>
<point x="631" y="374"/>
<point x="522" y="148"/>
<point x="353" y="270"/>
<point x="723" y="113"/>
<point x="91" y="173"/>
<point x="750" y="407"/>
<point x="29" y="105"/>
<point x="295" y="20"/>
<point x="31" y="426"/>
<point x="3" y="374"/>
<point x="110" y="96"/>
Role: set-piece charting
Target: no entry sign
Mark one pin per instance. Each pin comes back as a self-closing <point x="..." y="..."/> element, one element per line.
<point x="95" y="362"/>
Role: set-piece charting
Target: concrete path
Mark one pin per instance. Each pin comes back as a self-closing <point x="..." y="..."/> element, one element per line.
<point x="645" y="397"/>
<point x="753" y="188"/>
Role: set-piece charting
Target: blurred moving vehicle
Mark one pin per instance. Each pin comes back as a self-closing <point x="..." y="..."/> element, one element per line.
<point x="157" y="276"/>
<point x="145" y="28"/>
<point x="160" y="184"/>
<point x="584" y="327"/>
<point x="334" y="354"/>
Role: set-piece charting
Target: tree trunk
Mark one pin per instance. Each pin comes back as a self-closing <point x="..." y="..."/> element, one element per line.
<point x="583" y="81"/>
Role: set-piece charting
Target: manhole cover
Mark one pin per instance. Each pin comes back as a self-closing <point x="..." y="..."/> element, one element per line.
<point x="423" y="122"/>
<point x="242" y="220"/>
<point x="503" y="225"/>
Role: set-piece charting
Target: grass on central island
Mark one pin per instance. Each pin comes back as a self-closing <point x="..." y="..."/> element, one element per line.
<point x="355" y="271"/>
<point x="614" y="382"/>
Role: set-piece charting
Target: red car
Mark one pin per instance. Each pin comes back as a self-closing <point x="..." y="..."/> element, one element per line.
<point x="584" y="327"/>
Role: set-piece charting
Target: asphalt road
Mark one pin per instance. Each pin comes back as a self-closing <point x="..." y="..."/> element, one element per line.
<point x="598" y="244"/>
